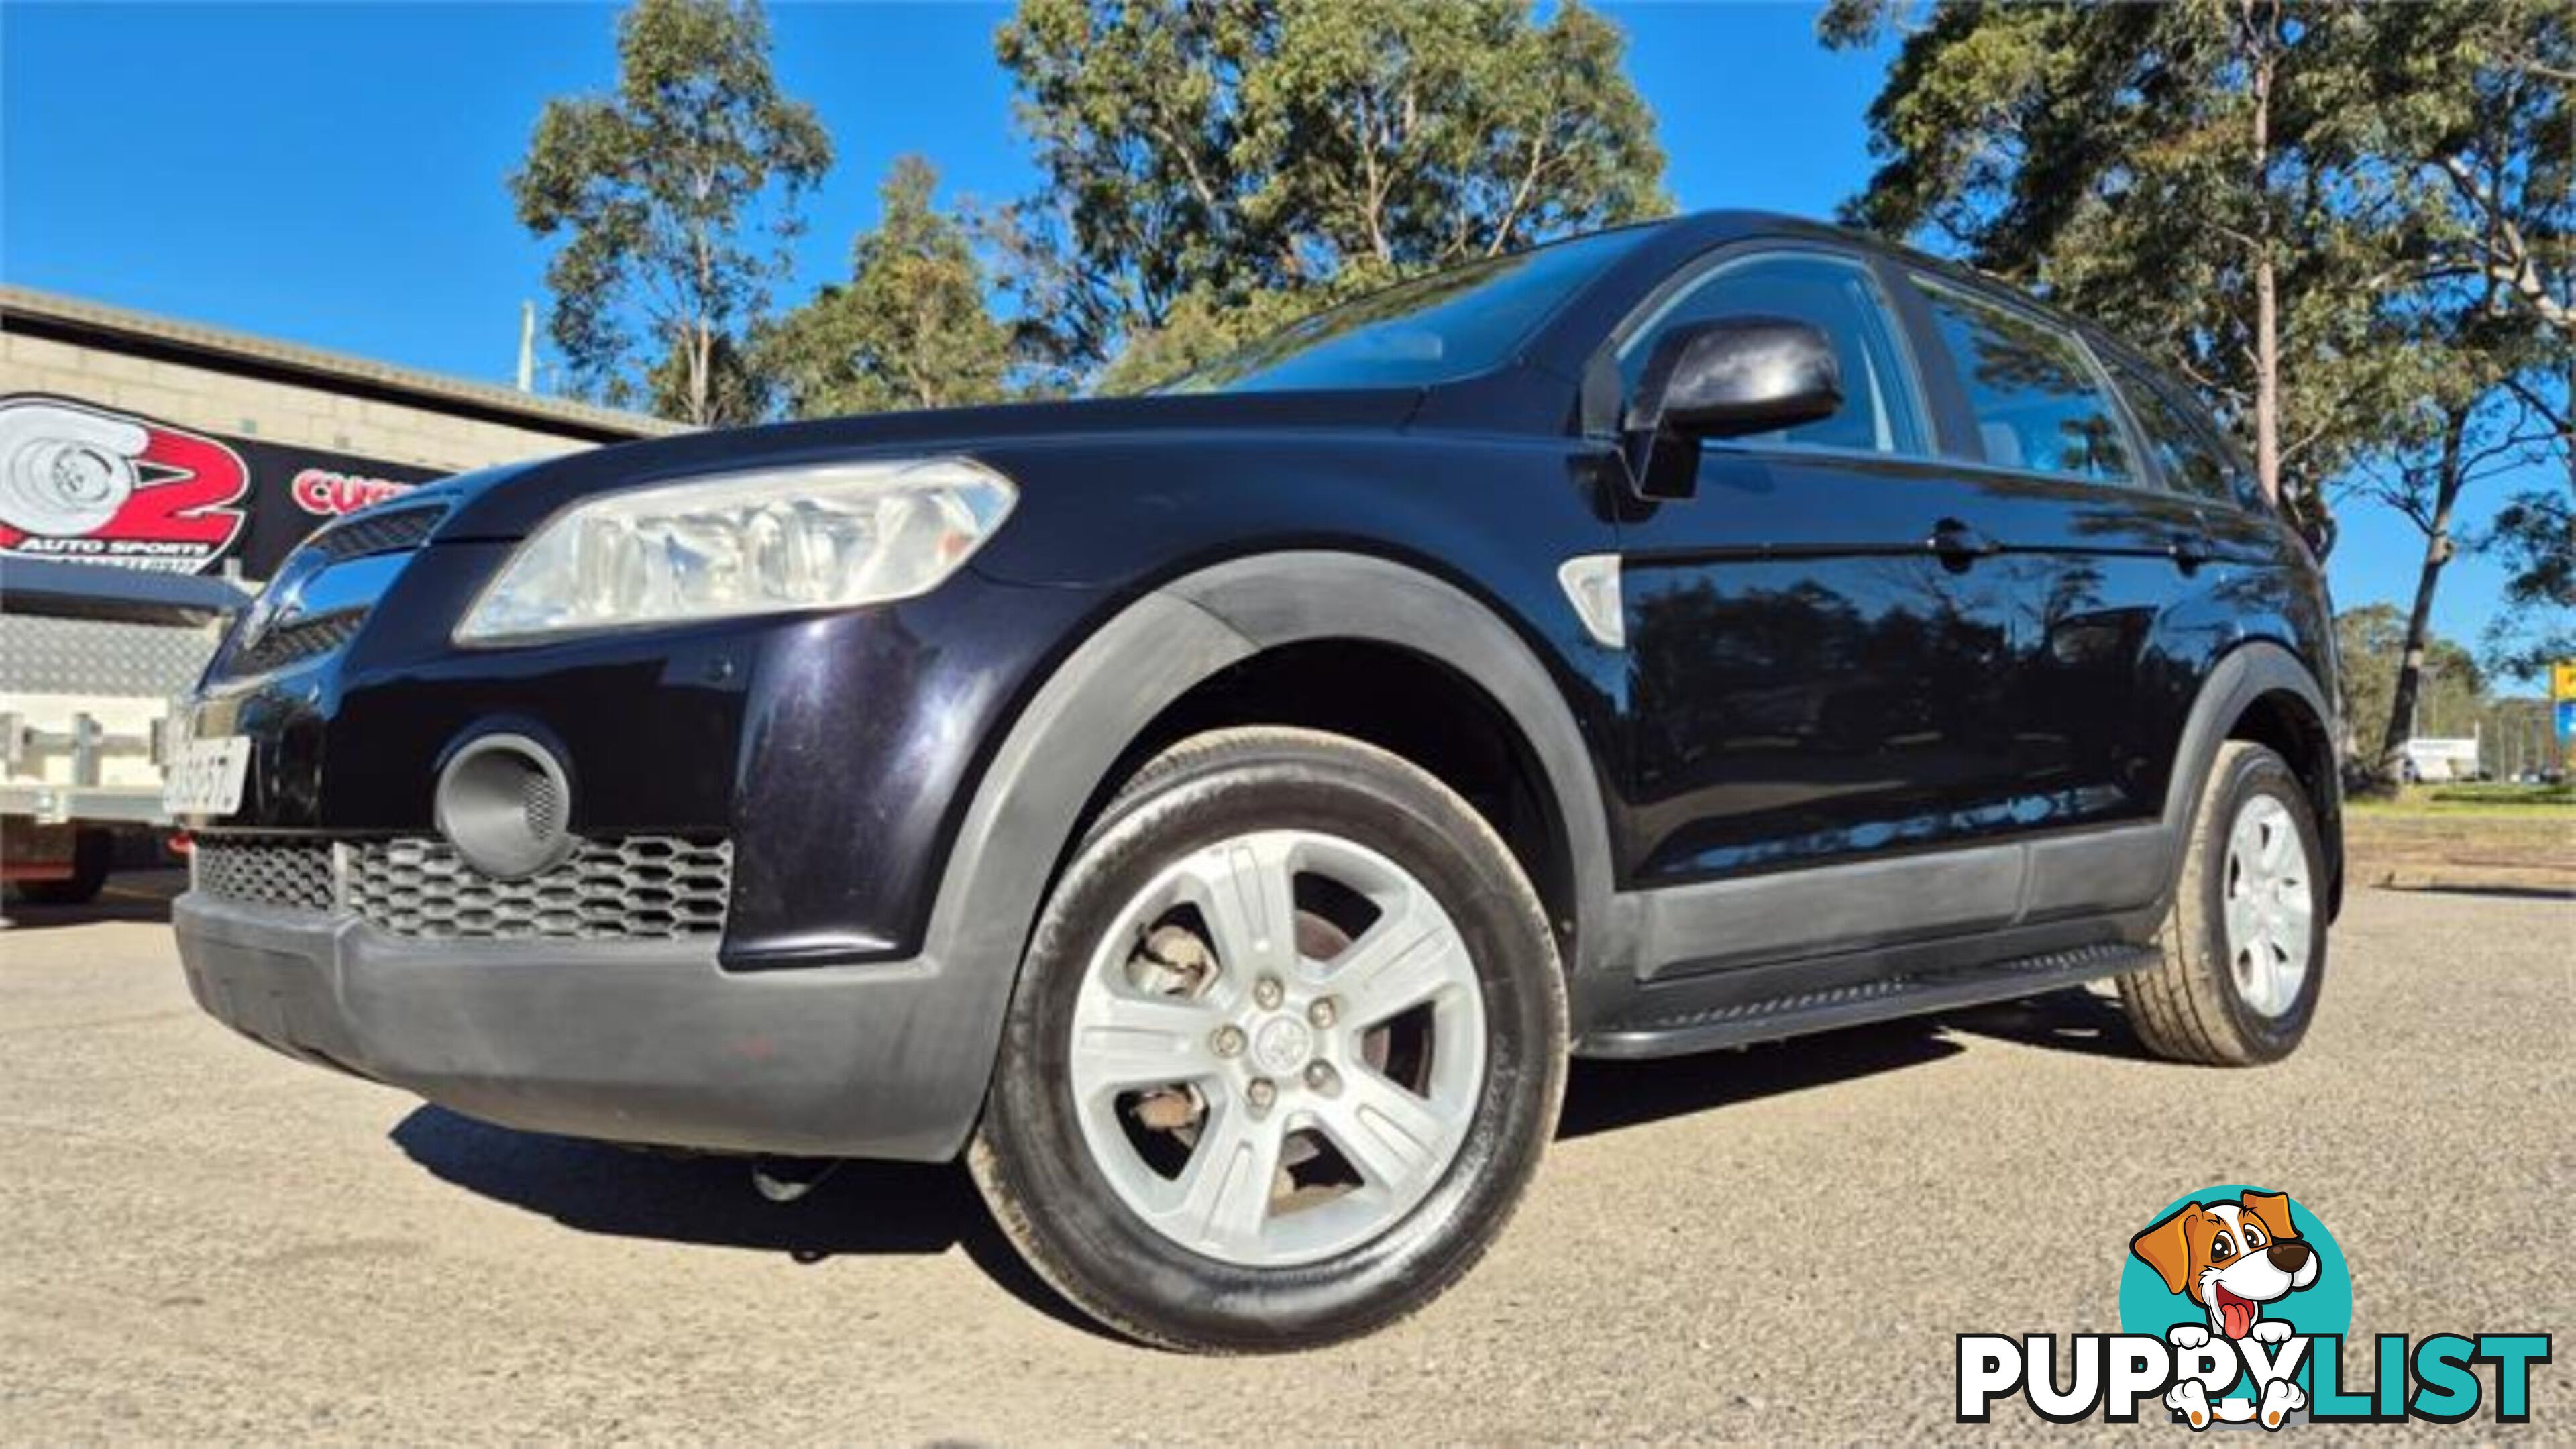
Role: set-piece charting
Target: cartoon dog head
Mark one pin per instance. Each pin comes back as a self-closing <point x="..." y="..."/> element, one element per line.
<point x="2231" y="1258"/>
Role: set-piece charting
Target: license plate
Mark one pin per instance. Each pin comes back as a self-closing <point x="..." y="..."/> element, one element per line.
<point x="206" y="778"/>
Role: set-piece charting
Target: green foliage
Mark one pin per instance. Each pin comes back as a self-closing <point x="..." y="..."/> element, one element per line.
<point x="1201" y="154"/>
<point x="2469" y="106"/>
<point x="661" y="191"/>
<point x="2107" y="155"/>
<point x="2534" y="537"/>
<point x="2370" y="648"/>
<point x="910" y="329"/>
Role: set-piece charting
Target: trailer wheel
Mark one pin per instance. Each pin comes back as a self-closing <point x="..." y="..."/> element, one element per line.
<point x="92" y="850"/>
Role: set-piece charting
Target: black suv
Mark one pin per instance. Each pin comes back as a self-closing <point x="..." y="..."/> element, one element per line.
<point x="1219" y="814"/>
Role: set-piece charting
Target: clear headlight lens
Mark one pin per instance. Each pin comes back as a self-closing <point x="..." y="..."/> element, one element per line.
<point x="828" y="536"/>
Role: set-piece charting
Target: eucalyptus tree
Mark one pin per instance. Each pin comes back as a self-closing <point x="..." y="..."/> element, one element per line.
<point x="911" y="328"/>
<point x="1201" y="156"/>
<point x="675" y="196"/>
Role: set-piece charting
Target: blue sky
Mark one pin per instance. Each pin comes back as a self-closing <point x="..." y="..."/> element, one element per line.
<point x="333" y="174"/>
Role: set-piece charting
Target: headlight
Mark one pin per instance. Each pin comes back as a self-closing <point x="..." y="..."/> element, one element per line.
<point x="821" y="537"/>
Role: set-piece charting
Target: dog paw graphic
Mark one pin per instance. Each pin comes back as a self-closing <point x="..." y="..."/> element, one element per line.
<point x="2280" y="1397"/>
<point x="2269" y="1330"/>
<point x="2189" y="1399"/>
<point x="2187" y="1335"/>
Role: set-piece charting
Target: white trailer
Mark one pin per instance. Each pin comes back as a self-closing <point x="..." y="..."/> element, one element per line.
<point x="2433" y="760"/>
<point x="92" y="658"/>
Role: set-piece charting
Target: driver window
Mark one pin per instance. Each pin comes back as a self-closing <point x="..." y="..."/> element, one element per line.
<point x="1837" y="297"/>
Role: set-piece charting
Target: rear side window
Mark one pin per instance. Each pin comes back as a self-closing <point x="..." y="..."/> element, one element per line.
<point x="2184" y="447"/>
<point x="1836" y="296"/>
<point x="2039" y="403"/>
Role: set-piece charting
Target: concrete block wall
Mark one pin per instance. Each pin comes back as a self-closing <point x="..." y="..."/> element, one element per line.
<point x="288" y="413"/>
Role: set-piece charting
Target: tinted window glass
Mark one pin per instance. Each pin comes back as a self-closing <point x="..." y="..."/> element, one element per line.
<point x="1838" y="298"/>
<point x="2184" y="448"/>
<point x="2038" y="403"/>
<point x="1447" y="325"/>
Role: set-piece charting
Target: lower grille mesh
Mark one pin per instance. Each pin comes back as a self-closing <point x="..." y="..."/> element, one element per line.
<point x="282" y="871"/>
<point x="636" y="887"/>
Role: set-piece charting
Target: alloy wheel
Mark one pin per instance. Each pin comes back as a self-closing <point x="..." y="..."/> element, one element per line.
<point x="1278" y="1047"/>
<point x="2269" y="906"/>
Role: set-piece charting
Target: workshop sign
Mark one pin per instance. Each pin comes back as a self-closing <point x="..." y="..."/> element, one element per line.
<point x="93" y="484"/>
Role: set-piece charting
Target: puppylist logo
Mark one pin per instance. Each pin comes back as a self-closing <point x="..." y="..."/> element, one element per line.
<point x="2234" y="1305"/>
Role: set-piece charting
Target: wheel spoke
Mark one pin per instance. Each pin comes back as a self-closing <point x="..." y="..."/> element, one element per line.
<point x="2275" y="831"/>
<point x="2263" y="971"/>
<point x="1392" y="1136"/>
<point x="1406" y="958"/>
<point x="1125" y="1040"/>
<point x="2293" y="935"/>
<point x="2245" y="844"/>
<point x="1245" y="887"/>
<point x="1224" y="1200"/>
<point x="2243" y="921"/>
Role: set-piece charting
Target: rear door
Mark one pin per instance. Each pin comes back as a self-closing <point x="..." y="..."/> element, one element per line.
<point x="2108" y="571"/>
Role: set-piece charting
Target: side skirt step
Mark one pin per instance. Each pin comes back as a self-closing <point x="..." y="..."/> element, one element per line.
<point x="1827" y="1009"/>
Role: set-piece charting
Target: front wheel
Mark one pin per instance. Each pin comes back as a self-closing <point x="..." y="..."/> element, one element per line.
<point x="2245" y="944"/>
<point x="1286" y="1049"/>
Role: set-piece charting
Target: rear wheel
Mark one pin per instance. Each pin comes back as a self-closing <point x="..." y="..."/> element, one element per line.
<point x="2245" y="945"/>
<point x="1285" y="1052"/>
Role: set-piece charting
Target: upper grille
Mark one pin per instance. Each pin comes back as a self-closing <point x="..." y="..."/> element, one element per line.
<point x="636" y="887"/>
<point x="295" y="641"/>
<point x="379" y="530"/>
<point x="294" y="636"/>
<point x="264" y="870"/>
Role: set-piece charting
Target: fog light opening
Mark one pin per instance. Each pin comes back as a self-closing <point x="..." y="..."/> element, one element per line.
<point x="505" y="805"/>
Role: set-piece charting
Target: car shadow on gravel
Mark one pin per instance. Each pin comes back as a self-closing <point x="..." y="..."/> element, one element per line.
<point x="144" y="896"/>
<point x="897" y="1208"/>
<point x="2076" y="1020"/>
<point x="859" y="1209"/>
<point x="1604" y="1096"/>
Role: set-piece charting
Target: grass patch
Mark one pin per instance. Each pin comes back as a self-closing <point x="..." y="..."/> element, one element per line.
<point x="2472" y="800"/>
<point x="2520" y="845"/>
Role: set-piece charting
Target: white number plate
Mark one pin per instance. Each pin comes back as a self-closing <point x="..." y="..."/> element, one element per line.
<point x="206" y="778"/>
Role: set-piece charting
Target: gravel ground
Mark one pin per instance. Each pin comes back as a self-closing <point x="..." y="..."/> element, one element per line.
<point x="200" y="1240"/>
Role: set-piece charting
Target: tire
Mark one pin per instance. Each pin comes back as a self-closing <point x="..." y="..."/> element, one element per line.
<point x="1058" y="1194"/>
<point x="2204" y="1002"/>
<point x="93" y="851"/>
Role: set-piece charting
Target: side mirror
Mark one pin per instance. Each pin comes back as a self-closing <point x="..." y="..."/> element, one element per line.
<point x="1725" y="378"/>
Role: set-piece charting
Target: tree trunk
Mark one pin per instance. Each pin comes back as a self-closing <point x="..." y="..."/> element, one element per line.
<point x="2419" y="623"/>
<point x="2267" y="299"/>
<point x="702" y="351"/>
<point x="701" y="376"/>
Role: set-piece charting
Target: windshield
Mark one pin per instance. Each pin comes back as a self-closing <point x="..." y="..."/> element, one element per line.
<point x="1447" y="325"/>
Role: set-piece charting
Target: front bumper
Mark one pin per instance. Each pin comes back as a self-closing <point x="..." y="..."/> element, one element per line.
<point x="835" y="752"/>
<point x="631" y="1041"/>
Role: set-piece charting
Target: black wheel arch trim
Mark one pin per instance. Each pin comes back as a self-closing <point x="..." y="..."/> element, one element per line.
<point x="1032" y="797"/>
<point x="1277" y="599"/>
<point x="2253" y="669"/>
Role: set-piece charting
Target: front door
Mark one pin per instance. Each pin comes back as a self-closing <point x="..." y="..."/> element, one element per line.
<point x="1823" y="648"/>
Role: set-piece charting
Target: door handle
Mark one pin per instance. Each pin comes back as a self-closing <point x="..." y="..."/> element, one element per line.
<point x="2190" y="550"/>
<point x="1958" y="543"/>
